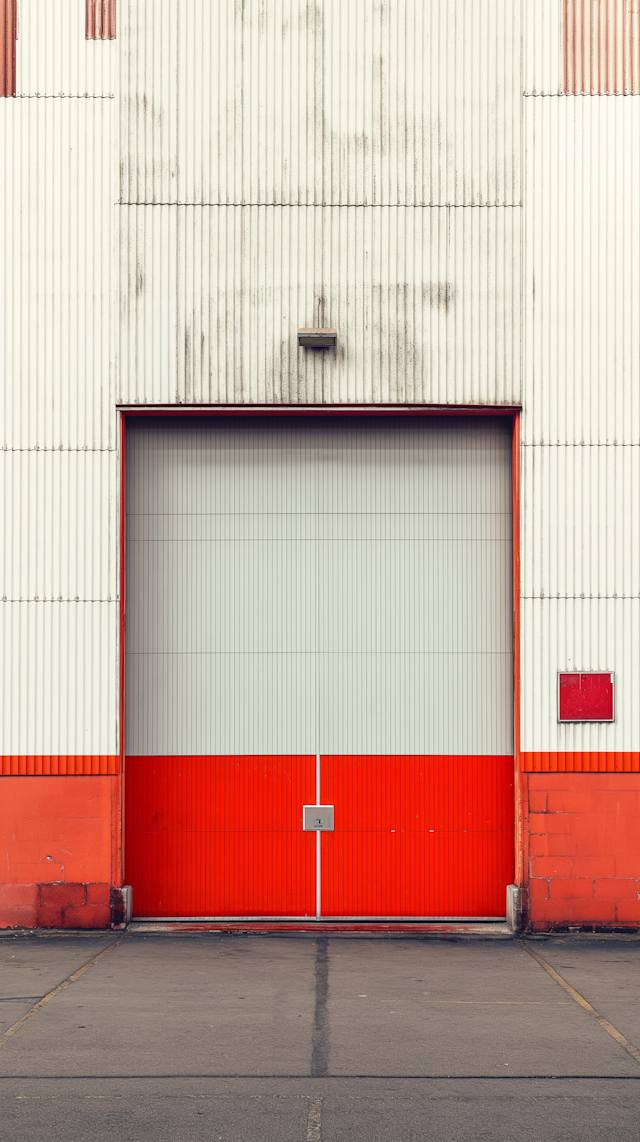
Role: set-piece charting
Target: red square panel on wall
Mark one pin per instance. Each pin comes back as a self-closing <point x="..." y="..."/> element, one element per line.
<point x="585" y="697"/>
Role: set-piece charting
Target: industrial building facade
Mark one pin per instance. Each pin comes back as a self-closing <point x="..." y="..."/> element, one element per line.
<point x="342" y="633"/>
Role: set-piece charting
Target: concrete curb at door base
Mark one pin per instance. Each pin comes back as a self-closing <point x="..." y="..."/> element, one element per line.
<point x="372" y="931"/>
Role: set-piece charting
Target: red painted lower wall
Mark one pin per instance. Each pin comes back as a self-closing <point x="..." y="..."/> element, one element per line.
<point x="583" y="841"/>
<point x="584" y="850"/>
<point x="57" y="845"/>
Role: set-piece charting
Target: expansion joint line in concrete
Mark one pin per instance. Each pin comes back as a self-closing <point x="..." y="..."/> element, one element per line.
<point x="586" y="1006"/>
<point x="56" y="990"/>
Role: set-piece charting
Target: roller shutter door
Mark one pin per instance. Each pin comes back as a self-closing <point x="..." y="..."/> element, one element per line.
<point x="319" y="610"/>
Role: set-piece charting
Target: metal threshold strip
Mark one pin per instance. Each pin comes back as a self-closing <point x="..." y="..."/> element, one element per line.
<point x="315" y="921"/>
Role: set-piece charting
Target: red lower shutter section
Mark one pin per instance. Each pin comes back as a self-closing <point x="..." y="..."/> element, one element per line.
<point x="418" y="836"/>
<point x="414" y="836"/>
<point x="219" y="836"/>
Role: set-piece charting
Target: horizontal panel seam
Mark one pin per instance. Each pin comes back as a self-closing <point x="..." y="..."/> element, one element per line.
<point x="338" y="205"/>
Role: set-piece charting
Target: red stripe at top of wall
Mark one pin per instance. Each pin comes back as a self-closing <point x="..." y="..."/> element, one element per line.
<point x="574" y="762"/>
<point x="59" y="765"/>
<point x="100" y="20"/>
<point x="8" y="28"/>
<point x="601" y="47"/>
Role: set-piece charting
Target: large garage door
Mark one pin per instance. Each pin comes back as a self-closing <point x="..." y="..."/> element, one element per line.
<point x="319" y="611"/>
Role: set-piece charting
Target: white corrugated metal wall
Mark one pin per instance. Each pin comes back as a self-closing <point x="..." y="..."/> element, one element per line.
<point x="60" y="452"/>
<point x="581" y="408"/>
<point x="284" y="163"/>
<point x="274" y="165"/>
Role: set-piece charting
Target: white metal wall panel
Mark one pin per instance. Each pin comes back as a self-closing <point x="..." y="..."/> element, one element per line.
<point x="57" y="234"/>
<point x="53" y="58"/>
<point x="581" y="534"/>
<point x="426" y="304"/>
<point x="582" y="271"/>
<point x="59" y="678"/>
<point x="60" y="519"/>
<point x="323" y="586"/>
<point x="292" y="102"/>
<point x="579" y="634"/>
<point x="542" y="55"/>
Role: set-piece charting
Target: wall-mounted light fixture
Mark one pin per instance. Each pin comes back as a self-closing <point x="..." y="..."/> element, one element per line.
<point x="317" y="338"/>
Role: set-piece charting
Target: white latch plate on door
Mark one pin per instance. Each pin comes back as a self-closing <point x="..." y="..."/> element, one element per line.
<point x="317" y="818"/>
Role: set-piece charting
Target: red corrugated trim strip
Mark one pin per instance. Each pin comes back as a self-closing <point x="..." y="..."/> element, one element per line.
<point x="100" y="20"/>
<point x="591" y="762"/>
<point x="7" y="47"/>
<point x="59" y="765"/>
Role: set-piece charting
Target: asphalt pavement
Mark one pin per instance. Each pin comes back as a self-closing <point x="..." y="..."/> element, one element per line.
<point x="318" y="1038"/>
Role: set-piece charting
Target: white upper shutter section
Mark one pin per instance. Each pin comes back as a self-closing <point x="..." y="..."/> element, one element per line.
<point x="319" y="585"/>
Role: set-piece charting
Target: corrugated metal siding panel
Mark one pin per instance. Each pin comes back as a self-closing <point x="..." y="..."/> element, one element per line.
<point x="60" y="674"/>
<point x="57" y="347"/>
<point x="362" y="569"/>
<point x="542" y="56"/>
<point x="7" y="48"/>
<point x="426" y="304"/>
<point x="581" y="534"/>
<point x="101" y="19"/>
<point x="305" y="103"/>
<point x="582" y="271"/>
<point x="60" y="525"/>
<point x="54" y="58"/>
<point x="38" y="765"/>
<point x="418" y="836"/>
<point x="579" y="634"/>
<point x="600" y="46"/>
<point x="593" y="761"/>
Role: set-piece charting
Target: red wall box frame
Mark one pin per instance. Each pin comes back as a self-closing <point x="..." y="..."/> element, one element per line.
<point x="585" y="696"/>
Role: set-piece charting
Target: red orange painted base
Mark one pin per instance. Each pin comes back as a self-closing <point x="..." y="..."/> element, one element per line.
<point x="69" y="905"/>
<point x="584" y="850"/>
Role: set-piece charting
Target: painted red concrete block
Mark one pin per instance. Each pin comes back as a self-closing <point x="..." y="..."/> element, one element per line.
<point x="561" y="844"/>
<point x="571" y="889"/>
<point x="551" y="866"/>
<point x="594" y="834"/>
<point x="98" y="893"/>
<point x="538" y="889"/>
<point x="48" y="916"/>
<point x="18" y="905"/>
<point x="18" y="895"/>
<point x="539" y="845"/>
<point x="67" y="818"/>
<point x="549" y="823"/>
<point x="548" y="911"/>
<point x="579" y="800"/>
<point x="572" y="912"/>
<point x="63" y="895"/>
<point x="87" y="916"/>
<point x="537" y="802"/>
<point x="593" y="866"/>
<point x="628" y="911"/>
<point x="616" y="889"/>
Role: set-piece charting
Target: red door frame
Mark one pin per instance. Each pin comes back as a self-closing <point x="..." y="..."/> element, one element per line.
<point x="511" y="411"/>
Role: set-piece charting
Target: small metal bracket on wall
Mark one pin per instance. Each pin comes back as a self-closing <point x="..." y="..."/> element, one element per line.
<point x="317" y="338"/>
